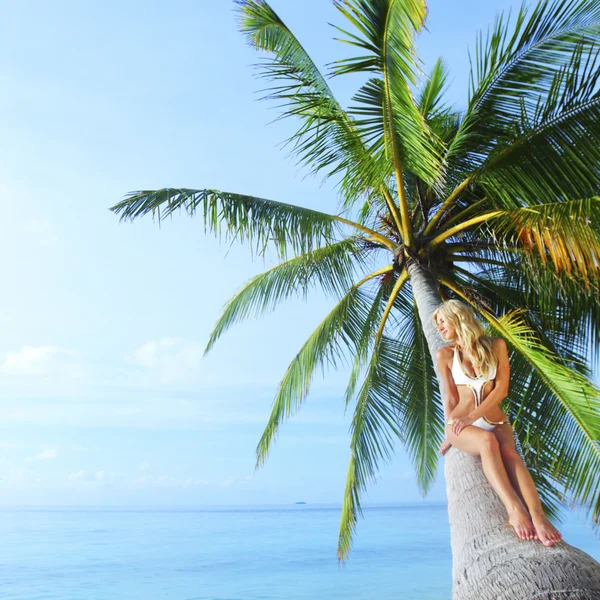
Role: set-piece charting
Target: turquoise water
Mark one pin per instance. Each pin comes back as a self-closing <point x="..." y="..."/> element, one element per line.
<point x="229" y="553"/>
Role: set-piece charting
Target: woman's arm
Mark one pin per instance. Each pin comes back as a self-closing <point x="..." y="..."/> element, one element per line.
<point x="443" y="357"/>
<point x="500" y="390"/>
<point x="451" y="398"/>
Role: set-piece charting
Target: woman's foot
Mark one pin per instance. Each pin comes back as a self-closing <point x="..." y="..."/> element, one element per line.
<point x="547" y="533"/>
<point x="522" y="525"/>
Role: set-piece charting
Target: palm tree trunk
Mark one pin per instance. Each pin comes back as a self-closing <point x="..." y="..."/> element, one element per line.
<point x="489" y="562"/>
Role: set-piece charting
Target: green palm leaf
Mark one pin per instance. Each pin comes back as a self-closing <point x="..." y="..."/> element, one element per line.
<point x="399" y="398"/>
<point x="368" y="331"/>
<point x="514" y="70"/>
<point x="385" y="31"/>
<point x="431" y="99"/>
<point x="243" y="218"/>
<point x="543" y="158"/>
<point x="575" y="391"/>
<point x="561" y="316"/>
<point x="328" y="139"/>
<point x="423" y="415"/>
<point x="563" y="312"/>
<point x="332" y="267"/>
<point x="563" y="234"/>
<point x="553" y="445"/>
<point x="374" y="428"/>
<point x="337" y="334"/>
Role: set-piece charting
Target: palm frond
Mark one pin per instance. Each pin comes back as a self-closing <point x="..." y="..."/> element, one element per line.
<point x="422" y="415"/>
<point x="332" y="268"/>
<point x="258" y="221"/>
<point x="431" y="98"/>
<point x="443" y="121"/>
<point x="399" y="398"/>
<point x="385" y="31"/>
<point x="553" y="151"/>
<point x="563" y="317"/>
<point x="513" y="71"/>
<point x="550" y="440"/>
<point x="328" y="140"/>
<point x="422" y="424"/>
<point x="565" y="235"/>
<point x="374" y="428"/>
<point x="567" y="314"/>
<point x="336" y="337"/>
<point x="368" y="332"/>
<point x="580" y="397"/>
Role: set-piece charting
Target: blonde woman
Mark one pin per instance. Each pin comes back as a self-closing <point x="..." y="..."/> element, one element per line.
<point x="475" y="371"/>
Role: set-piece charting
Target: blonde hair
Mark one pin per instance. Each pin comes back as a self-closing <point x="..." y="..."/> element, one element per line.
<point x="470" y="335"/>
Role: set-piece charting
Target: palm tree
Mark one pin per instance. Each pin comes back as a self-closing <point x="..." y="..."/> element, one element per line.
<point x="497" y="205"/>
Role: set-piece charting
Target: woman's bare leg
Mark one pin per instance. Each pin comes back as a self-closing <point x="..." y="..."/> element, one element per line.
<point x="479" y="442"/>
<point x="524" y="485"/>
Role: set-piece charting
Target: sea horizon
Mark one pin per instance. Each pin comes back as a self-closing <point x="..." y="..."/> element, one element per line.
<point x="231" y="552"/>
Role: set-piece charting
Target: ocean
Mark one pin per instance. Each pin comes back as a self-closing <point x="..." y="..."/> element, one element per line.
<point x="230" y="553"/>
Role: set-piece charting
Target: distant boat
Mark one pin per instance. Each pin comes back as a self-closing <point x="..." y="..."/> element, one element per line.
<point x="300" y="502"/>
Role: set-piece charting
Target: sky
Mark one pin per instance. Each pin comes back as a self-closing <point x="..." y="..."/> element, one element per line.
<point x="105" y="397"/>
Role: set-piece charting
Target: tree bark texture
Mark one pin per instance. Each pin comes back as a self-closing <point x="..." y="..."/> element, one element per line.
<point x="489" y="561"/>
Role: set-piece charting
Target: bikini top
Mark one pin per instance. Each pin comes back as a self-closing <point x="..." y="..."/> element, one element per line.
<point x="461" y="378"/>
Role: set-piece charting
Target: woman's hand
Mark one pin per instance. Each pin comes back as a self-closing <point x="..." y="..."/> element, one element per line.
<point x="446" y="445"/>
<point x="459" y="424"/>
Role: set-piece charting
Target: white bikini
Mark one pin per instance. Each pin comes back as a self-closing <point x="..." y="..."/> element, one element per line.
<point x="477" y="384"/>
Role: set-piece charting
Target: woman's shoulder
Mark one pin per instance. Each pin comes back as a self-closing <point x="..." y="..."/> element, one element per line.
<point x="498" y="343"/>
<point x="445" y="352"/>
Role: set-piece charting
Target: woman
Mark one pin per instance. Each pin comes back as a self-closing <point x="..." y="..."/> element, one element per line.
<point x="475" y="371"/>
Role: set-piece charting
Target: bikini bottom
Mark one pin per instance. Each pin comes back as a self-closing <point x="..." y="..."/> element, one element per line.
<point x="481" y="423"/>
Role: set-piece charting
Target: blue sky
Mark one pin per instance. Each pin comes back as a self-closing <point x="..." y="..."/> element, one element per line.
<point x="104" y="398"/>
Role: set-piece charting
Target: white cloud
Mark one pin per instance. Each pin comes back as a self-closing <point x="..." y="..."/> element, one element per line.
<point x="39" y="360"/>
<point x="46" y="454"/>
<point x="171" y="359"/>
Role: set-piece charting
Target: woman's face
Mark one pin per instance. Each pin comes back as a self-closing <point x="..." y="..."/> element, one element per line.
<point x="447" y="331"/>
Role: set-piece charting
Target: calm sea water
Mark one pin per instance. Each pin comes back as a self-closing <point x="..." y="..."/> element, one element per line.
<point x="230" y="553"/>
